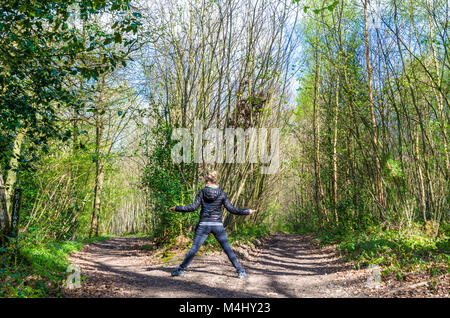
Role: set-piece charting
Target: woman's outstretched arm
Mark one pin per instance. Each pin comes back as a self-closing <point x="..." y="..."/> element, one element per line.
<point x="191" y="207"/>
<point x="234" y="210"/>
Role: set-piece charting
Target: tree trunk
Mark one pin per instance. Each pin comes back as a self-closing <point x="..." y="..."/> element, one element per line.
<point x="98" y="183"/>
<point x="11" y="177"/>
<point x="99" y="176"/>
<point x="379" y="185"/>
<point x="439" y="99"/>
<point x="4" y="216"/>
<point x="421" y="182"/>
<point x="335" y="133"/>
<point x="319" y="196"/>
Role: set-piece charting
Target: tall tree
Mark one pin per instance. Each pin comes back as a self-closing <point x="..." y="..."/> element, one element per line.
<point x="375" y="144"/>
<point x="41" y="49"/>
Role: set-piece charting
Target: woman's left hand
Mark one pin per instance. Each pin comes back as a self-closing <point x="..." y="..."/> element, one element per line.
<point x="172" y="208"/>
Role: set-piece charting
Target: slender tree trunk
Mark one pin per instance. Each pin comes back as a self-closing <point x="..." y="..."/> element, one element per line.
<point x="98" y="181"/>
<point x="378" y="181"/>
<point x="7" y="188"/>
<point x="335" y="134"/>
<point x="11" y="177"/>
<point x="421" y="182"/>
<point x="74" y="170"/>
<point x="98" y="204"/>
<point x="439" y="99"/>
<point x="319" y="196"/>
<point x="4" y="216"/>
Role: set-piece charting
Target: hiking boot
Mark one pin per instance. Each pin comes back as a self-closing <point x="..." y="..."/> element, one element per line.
<point x="178" y="272"/>
<point x="242" y="274"/>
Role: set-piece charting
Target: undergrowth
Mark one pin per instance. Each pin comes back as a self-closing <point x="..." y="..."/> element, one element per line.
<point x="29" y="270"/>
<point x="396" y="251"/>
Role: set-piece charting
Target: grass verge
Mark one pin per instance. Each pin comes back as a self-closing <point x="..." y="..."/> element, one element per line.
<point x="396" y="251"/>
<point x="36" y="270"/>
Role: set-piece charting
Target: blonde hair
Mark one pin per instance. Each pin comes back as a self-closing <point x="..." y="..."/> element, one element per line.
<point x="211" y="177"/>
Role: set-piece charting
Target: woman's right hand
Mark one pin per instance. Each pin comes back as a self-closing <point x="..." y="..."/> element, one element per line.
<point x="252" y="211"/>
<point x="172" y="208"/>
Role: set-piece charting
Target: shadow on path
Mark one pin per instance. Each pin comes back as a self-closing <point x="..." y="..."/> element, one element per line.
<point x="288" y="265"/>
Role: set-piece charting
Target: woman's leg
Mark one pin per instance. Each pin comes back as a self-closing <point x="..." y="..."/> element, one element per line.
<point x="221" y="235"/>
<point x="200" y="236"/>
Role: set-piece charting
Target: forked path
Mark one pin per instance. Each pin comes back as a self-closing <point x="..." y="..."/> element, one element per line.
<point x="284" y="265"/>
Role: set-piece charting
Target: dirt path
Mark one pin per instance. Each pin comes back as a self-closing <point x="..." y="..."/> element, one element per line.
<point x="285" y="265"/>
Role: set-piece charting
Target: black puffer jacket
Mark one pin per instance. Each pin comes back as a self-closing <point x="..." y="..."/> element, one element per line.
<point x="211" y="200"/>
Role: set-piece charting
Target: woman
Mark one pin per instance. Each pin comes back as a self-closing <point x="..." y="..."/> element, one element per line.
<point x="211" y="199"/>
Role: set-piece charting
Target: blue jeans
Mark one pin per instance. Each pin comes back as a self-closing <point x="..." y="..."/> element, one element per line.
<point x="201" y="233"/>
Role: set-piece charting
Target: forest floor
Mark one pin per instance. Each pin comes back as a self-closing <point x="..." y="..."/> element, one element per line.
<point x="281" y="265"/>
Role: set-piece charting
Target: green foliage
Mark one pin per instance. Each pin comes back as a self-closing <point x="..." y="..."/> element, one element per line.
<point x="354" y="215"/>
<point x="247" y="233"/>
<point x="49" y="211"/>
<point x="167" y="188"/>
<point x="34" y="271"/>
<point x="329" y="7"/>
<point x="274" y="219"/>
<point x="50" y="260"/>
<point x="44" y="50"/>
<point x="29" y="269"/>
<point x="396" y="250"/>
